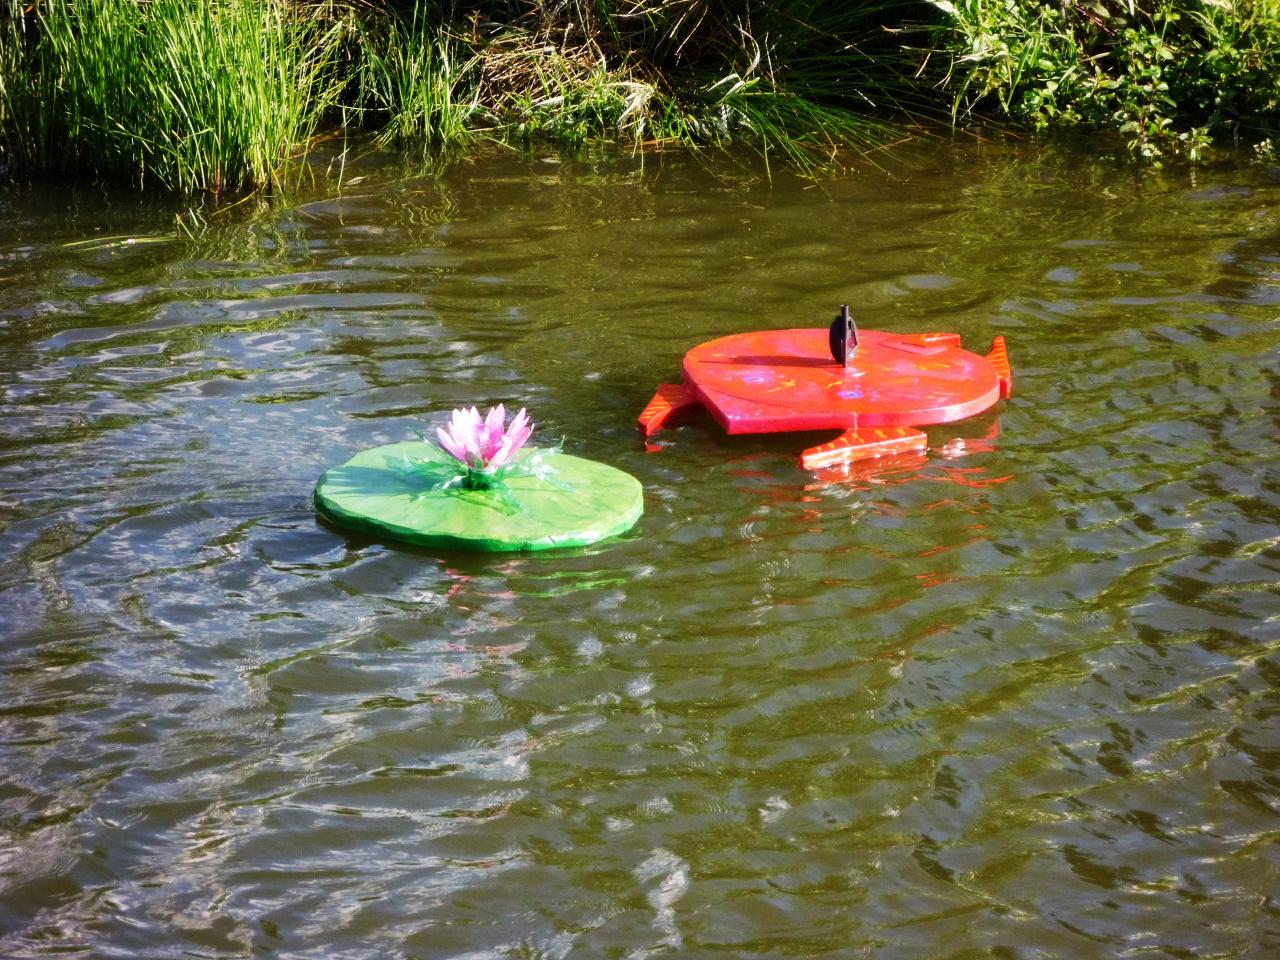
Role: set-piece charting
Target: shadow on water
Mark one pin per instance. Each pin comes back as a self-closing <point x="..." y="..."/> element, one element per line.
<point x="1016" y="697"/>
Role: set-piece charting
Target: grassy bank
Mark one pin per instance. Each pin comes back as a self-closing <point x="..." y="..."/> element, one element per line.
<point x="218" y="94"/>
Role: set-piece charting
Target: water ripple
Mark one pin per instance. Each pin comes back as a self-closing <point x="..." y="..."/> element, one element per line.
<point x="1012" y="698"/>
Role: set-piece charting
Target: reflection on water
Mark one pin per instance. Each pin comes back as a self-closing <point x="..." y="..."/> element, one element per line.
<point x="1015" y="698"/>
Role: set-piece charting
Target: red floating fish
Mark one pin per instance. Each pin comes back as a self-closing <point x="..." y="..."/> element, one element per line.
<point x="873" y="386"/>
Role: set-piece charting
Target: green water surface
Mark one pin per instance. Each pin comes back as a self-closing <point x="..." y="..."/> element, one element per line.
<point x="1020" y="699"/>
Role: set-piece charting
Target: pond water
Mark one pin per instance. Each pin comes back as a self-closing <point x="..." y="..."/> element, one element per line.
<point x="1018" y="699"/>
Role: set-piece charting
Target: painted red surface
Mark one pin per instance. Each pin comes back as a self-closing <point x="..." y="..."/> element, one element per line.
<point x="774" y="380"/>
<point x="777" y="380"/>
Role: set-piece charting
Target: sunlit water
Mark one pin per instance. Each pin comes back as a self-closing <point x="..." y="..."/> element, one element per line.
<point x="1019" y="700"/>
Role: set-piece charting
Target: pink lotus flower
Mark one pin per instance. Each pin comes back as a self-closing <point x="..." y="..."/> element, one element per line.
<point x="484" y="444"/>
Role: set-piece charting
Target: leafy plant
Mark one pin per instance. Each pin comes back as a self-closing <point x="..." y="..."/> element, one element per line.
<point x="1166" y="76"/>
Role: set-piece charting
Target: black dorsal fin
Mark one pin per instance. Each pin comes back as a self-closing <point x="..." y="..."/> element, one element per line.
<point x="844" y="337"/>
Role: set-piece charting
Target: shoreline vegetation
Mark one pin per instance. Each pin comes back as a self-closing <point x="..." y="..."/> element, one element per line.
<point x="218" y="95"/>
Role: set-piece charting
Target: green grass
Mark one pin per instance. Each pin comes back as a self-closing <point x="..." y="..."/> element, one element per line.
<point x="189" y="94"/>
<point x="417" y="81"/>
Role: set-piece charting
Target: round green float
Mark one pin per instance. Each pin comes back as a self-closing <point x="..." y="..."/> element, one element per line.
<point x="391" y="492"/>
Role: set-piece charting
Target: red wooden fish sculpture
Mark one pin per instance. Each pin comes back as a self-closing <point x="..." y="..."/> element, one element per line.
<point x="874" y="387"/>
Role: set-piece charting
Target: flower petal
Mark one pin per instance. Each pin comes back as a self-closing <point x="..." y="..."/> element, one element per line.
<point x="494" y="420"/>
<point x="451" y="446"/>
<point x="493" y="432"/>
<point x="476" y="436"/>
<point x="462" y="435"/>
<point x="520" y="429"/>
<point x="512" y="440"/>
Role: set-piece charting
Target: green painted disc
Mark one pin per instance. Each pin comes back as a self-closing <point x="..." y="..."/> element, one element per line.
<point x="395" y="492"/>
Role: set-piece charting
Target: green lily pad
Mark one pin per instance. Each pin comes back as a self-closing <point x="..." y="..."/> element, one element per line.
<point x="567" y="502"/>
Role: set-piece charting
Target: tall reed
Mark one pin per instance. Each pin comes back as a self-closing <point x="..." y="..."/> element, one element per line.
<point x="417" y="79"/>
<point x="189" y="94"/>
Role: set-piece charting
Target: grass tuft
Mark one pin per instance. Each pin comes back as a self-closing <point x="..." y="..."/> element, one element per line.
<point x="418" y="80"/>
<point x="189" y="94"/>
